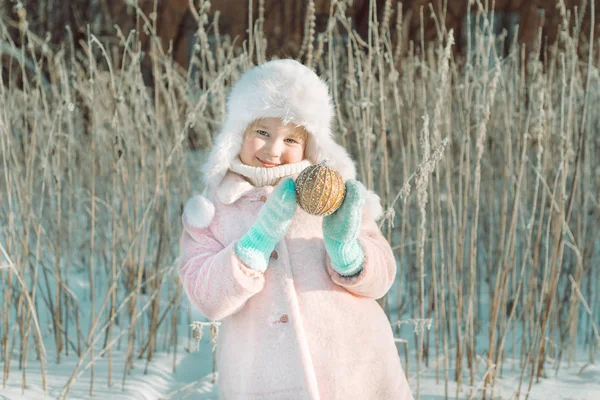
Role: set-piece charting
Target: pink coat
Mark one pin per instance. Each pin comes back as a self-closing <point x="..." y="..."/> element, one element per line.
<point x="300" y="330"/>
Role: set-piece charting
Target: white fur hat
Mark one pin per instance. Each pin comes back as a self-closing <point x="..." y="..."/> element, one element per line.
<point x="282" y="89"/>
<point x="288" y="90"/>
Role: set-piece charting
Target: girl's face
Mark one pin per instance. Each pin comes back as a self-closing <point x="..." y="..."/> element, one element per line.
<point x="269" y="143"/>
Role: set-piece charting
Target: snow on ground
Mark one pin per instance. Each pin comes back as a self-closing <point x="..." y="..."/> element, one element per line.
<point x="193" y="377"/>
<point x="160" y="381"/>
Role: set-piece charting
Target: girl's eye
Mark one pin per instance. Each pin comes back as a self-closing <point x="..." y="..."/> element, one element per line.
<point x="290" y="140"/>
<point x="262" y="133"/>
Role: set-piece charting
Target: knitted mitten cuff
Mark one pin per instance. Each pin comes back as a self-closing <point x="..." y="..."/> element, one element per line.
<point x="254" y="248"/>
<point x="347" y="258"/>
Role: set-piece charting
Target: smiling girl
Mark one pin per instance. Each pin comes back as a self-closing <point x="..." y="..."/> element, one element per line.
<point x="296" y="293"/>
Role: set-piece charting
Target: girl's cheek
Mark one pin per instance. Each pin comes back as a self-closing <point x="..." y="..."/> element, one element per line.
<point x="255" y="144"/>
<point x="295" y="154"/>
<point x="258" y="143"/>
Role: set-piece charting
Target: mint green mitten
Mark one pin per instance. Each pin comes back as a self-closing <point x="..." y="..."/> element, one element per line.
<point x="341" y="229"/>
<point x="272" y="223"/>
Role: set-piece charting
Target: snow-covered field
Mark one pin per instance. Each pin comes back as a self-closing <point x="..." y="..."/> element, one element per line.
<point x="193" y="378"/>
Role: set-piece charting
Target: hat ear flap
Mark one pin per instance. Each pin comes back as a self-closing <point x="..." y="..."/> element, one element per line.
<point x="225" y="148"/>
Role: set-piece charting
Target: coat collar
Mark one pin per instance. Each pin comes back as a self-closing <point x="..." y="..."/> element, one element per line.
<point x="234" y="186"/>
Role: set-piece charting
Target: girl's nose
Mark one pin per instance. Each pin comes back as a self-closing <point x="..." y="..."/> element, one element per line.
<point x="274" y="149"/>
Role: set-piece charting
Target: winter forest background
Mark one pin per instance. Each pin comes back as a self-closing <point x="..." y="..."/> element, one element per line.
<point x="477" y="122"/>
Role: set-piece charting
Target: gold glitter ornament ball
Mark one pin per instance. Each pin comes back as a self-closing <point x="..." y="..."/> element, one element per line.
<point x="320" y="189"/>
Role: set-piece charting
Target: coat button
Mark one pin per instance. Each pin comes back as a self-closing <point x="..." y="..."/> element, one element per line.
<point x="284" y="319"/>
<point x="274" y="255"/>
<point x="263" y="199"/>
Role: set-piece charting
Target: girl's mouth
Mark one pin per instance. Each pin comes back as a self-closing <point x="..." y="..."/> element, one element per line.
<point x="266" y="164"/>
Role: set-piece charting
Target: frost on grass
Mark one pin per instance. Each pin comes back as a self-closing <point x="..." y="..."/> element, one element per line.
<point x="495" y="234"/>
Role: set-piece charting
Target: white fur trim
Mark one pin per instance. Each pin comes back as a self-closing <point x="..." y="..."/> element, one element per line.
<point x="372" y="208"/>
<point x="198" y="212"/>
<point x="282" y="89"/>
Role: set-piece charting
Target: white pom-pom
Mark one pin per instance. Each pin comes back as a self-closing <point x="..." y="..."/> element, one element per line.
<point x="198" y="212"/>
<point x="372" y="208"/>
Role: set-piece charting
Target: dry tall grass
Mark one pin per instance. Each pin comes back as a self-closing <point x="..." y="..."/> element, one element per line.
<point x="499" y="246"/>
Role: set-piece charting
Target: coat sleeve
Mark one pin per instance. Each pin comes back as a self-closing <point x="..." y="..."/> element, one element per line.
<point x="379" y="270"/>
<point x="213" y="277"/>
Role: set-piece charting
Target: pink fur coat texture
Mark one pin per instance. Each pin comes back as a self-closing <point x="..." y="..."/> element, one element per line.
<point x="300" y="330"/>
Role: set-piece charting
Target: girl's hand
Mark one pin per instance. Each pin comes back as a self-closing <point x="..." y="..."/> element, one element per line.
<point x="341" y="229"/>
<point x="272" y="223"/>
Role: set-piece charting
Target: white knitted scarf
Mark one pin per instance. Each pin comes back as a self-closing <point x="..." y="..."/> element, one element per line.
<point x="259" y="177"/>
